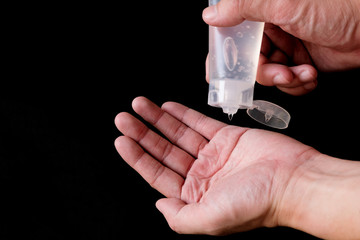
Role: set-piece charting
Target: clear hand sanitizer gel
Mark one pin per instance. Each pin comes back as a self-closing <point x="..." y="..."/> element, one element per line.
<point x="233" y="57"/>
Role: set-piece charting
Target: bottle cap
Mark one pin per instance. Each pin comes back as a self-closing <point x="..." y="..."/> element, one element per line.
<point x="269" y="114"/>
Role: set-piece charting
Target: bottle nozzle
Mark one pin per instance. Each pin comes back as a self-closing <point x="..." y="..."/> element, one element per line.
<point x="230" y="111"/>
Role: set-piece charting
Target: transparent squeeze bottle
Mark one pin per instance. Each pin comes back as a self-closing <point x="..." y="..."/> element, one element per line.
<point x="233" y="62"/>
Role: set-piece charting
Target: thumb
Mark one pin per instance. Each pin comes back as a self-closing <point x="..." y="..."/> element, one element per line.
<point x="185" y="218"/>
<point x="232" y="12"/>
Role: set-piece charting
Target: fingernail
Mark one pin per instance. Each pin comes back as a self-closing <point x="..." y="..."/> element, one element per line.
<point x="210" y="13"/>
<point x="279" y="79"/>
<point x="310" y="86"/>
<point x="306" y="76"/>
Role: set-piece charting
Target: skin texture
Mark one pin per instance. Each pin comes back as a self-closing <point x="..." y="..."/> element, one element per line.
<point x="219" y="179"/>
<point x="301" y="37"/>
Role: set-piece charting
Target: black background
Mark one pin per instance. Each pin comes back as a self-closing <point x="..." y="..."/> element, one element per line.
<point x="70" y="68"/>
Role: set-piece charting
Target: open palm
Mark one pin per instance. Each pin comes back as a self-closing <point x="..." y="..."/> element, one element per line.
<point x="217" y="178"/>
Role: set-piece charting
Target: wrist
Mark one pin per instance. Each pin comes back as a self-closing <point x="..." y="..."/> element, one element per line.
<point x="321" y="198"/>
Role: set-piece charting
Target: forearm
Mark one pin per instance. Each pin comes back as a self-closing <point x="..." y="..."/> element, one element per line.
<point x="323" y="199"/>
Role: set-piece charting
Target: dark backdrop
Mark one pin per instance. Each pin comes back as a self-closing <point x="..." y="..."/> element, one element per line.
<point x="71" y="68"/>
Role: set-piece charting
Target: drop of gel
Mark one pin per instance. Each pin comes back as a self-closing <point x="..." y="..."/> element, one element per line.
<point x="230" y="111"/>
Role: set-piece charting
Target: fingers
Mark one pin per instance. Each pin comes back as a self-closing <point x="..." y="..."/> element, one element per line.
<point x="280" y="49"/>
<point x="167" y="166"/>
<point x="176" y="131"/>
<point x="304" y="81"/>
<point x="232" y="12"/>
<point x="296" y="80"/>
<point x="271" y="74"/>
<point x="202" y="124"/>
<point x="217" y="14"/>
<point x="169" y="155"/>
<point x="157" y="175"/>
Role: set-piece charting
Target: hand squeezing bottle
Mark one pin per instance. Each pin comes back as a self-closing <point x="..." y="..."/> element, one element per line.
<point x="233" y="62"/>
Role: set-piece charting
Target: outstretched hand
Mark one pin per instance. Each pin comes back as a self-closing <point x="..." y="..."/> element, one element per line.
<point x="217" y="178"/>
